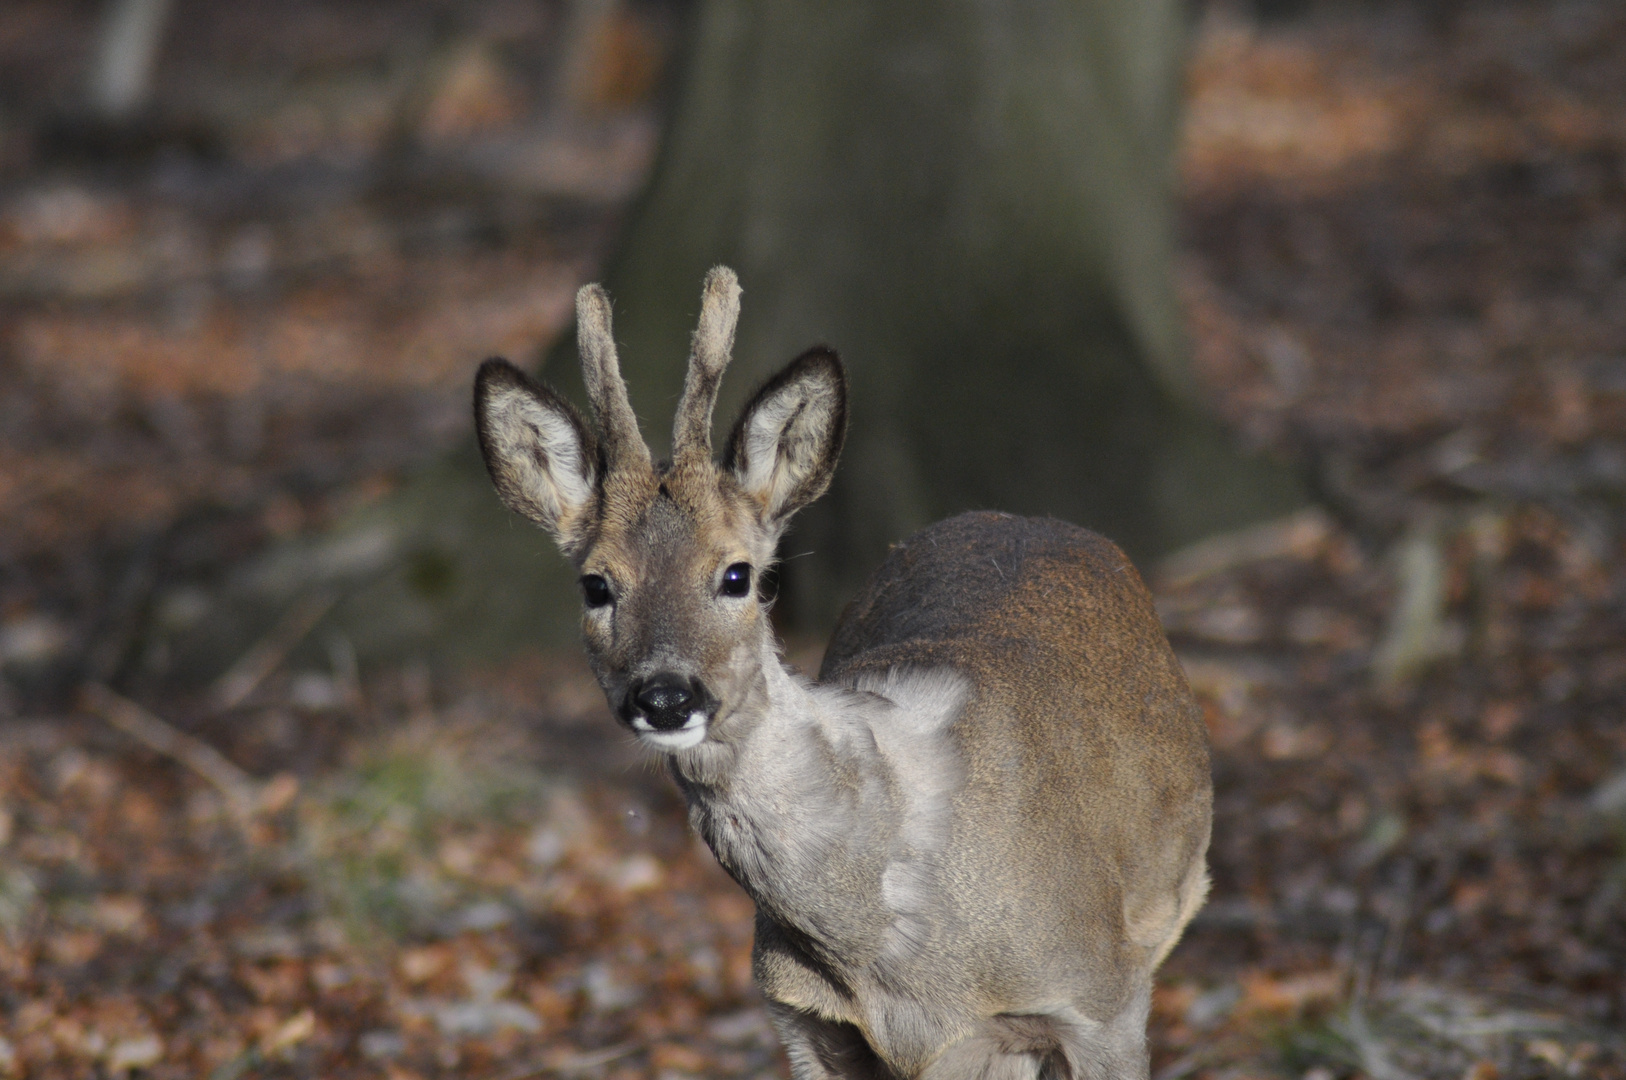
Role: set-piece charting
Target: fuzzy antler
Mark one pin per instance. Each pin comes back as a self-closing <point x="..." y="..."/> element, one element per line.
<point x="713" y="345"/>
<point x="618" y="426"/>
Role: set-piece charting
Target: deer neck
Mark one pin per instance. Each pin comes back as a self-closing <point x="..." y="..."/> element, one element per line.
<point x="790" y="772"/>
<point x="778" y="707"/>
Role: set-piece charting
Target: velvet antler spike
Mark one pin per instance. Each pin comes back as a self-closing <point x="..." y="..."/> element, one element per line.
<point x="712" y="348"/>
<point x="612" y="411"/>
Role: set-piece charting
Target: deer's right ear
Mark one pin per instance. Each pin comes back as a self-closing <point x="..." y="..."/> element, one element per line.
<point x="786" y="442"/>
<point x="539" y="452"/>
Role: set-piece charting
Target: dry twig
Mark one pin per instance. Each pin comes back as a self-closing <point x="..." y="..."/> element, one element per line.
<point x="245" y="676"/>
<point x="1298" y="535"/>
<point x="242" y="792"/>
<point x="564" y="1063"/>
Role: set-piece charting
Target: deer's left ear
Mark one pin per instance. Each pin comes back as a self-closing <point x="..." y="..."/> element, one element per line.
<point x="785" y="444"/>
<point x="538" y="450"/>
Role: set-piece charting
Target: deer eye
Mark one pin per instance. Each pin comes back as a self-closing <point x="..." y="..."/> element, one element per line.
<point x="595" y="591"/>
<point x="737" y="580"/>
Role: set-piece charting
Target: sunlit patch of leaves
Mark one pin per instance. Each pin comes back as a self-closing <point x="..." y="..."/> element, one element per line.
<point x="1418" y="1030"/>
<point x="18" y="899"/>
<point x="384" y="846"/>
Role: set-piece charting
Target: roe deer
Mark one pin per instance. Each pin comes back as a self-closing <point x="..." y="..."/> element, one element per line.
<point x="974" y="838"/>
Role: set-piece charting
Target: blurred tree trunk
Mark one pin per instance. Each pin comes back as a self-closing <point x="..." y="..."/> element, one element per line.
<point x="973" y="203"/>
<point x="127" y="56"/>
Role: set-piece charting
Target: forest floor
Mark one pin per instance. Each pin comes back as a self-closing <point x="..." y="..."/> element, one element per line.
<point x="1404" y="258"/>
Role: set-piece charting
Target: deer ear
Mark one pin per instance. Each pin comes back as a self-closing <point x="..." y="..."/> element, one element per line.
<point x="539" y="452"/>
<point x="786" y="441"/>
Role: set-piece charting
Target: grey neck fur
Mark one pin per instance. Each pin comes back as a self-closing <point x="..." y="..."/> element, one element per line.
<point x="812" y="791"/>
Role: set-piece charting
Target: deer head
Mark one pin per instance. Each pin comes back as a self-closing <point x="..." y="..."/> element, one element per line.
<point x="671" y="555"/>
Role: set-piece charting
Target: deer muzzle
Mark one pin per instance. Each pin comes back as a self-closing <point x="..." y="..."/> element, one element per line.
<point x="668" y="703"/>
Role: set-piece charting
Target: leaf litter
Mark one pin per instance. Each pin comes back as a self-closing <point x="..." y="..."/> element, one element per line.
<point x="1402" y="259"/>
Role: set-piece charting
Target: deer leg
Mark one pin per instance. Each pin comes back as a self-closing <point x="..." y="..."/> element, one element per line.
<point x="1115" y="1050"/>
<point x="1057" y="1046"/>
<point x="987" y="1055"/>
<point x="821" y="1049"/>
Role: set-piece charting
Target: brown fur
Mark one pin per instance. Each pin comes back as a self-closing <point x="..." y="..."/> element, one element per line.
<point x="1057" y="634"/>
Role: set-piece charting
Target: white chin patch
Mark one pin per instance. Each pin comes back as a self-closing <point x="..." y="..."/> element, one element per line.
<point x="692" y="733"/>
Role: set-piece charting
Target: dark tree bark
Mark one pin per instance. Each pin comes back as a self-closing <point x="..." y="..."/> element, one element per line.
<point x="972" y="202"/>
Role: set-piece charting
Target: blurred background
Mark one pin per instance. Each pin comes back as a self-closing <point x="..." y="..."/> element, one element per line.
<point x="1318" y="307"/>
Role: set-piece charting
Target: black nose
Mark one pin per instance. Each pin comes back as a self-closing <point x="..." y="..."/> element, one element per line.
<point x="666" y="701"/>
